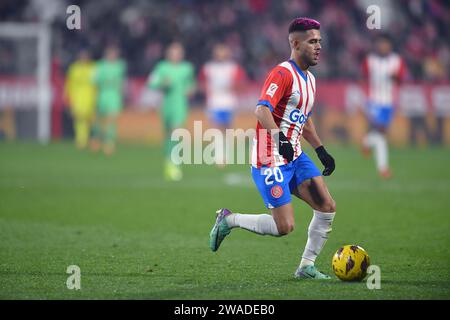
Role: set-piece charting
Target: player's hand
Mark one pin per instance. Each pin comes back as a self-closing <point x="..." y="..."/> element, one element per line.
<point x="326" y="159"/>
<point x="284" y="146"/>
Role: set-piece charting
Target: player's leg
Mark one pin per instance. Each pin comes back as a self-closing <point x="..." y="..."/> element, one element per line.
<point x="382" y="157"/>
<point x="110" y="133"/>
<point x="78" y="117"/>
<point x="172" y="118"/>
<point x="379" y="117"/>
<point x="309" y="185"/>
<point x="382" y="153"/>
<point x="368" y="140"/>
<point x="112" y="107"/>
<point x="172" y="172"/>
<point x="221" y="119"/>
<point x="315" y="192"/>
<point x="84" y="116"/>
<point x="273" y="184"/>
<point x="376" y="140"/>
<point x="281" y="221"/>
<point x="373" y="136"/>
<point x="97" y="133"/>
<point x="81" y="132"/>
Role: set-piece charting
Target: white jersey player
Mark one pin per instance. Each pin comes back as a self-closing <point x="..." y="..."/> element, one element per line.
<point x="382" y="71"/>
<point x="220" y="79"/>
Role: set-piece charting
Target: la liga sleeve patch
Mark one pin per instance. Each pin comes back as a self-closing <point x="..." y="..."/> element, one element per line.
<point x="272" y="89"/>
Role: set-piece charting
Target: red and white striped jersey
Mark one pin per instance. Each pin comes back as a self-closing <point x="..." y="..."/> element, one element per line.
<point x="380" y="73"/>
<point x="220" y="79"/>
<point x="289" y="93"/>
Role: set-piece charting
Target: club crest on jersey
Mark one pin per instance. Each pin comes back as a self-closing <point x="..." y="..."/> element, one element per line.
<point x="272" y="89"/>
<point x="297" y="116"/>
<point x="276" y="192"/>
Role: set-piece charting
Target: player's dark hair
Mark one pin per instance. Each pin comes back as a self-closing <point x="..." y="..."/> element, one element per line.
<point x="303" y="24"/>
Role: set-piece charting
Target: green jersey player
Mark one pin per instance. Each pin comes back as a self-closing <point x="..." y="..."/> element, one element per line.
<point x="175" y="78"/>
<point x="109" y="77"/>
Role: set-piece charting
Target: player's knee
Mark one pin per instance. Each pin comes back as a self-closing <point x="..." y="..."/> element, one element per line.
<point x="285" y="228"/>
<point x="328" y="206"/>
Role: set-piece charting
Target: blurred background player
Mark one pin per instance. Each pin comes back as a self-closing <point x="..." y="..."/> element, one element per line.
<point x="109" y="77"/>
<point x="80" y="92"/>
<point x="382" y="71"/>
<point x="174" y="77"/>
<point x="220" y="80"/>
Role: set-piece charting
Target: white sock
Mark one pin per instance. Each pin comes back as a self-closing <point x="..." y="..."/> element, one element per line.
<point x="259" y="223"/>
<point x="378" y="142"/>
<point x="381" y="152"/>
<point x="220" y="151"/>
<point x="318" y="231"/>
<point x="369" y="139"/>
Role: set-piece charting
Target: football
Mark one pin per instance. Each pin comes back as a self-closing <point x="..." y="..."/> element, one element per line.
<point x="350" y="263"/>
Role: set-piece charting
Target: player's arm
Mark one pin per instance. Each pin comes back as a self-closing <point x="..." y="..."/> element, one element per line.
<point x="400" y="75"/>
<point x="310" y="135"/>
<point x="202" y="80"/>
<point x="273" y="90"/>
<point x="365" y="75"/>
<point x="265" y="118"/>
<point x="154" y="80"/>
<point x="239" y="79"/>
<point x="121" y="76"/>
<point x="192" y="83"/>
<point x="157" y="80"/>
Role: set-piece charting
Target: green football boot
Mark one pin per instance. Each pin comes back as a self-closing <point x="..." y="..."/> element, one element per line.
<point x="220" y="229"/>
<point x="172" y="172"/>
<point x="310" y="272"/>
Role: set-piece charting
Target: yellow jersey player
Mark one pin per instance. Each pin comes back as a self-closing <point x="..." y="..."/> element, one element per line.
<point x="80" y="92"/>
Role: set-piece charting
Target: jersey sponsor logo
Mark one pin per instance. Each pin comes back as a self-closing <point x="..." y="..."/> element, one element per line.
<point x="297" y="116"/>
<point x="272" y="89"/>
<point x="276" y="192"/>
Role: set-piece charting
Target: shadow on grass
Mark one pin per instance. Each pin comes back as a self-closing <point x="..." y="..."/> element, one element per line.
<point x="336" y="282"/>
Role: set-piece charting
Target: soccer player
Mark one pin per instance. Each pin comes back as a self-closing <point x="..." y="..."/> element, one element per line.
<point x="110" y="77"/>
<point x="175" y="78"/>
<point x="279" y="166"/>
<point x="81" y="94"/>
<point x="382" y="71"/>
<point x="220" y="79"/>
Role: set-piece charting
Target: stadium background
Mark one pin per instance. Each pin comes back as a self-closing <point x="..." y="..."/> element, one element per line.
<point x="136" y="236"/>
<point x="255" y="30"/>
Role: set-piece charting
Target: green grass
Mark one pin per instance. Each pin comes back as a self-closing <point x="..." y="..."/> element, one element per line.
<point x="136" y="236"/>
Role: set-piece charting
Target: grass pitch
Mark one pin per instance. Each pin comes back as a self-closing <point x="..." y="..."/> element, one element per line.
<point x="135" y="236"/>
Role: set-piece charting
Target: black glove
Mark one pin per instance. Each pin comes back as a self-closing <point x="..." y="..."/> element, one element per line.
<point x="284" y="146"/>
<point x="326" y="159"/>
